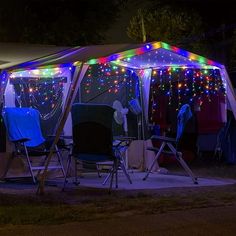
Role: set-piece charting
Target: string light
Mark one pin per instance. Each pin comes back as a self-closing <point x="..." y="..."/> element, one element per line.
<point x="107" y="78"/>
<point x="42" y="93"/>
<point x="186" y="85"/>
<point x="149" y="47"/>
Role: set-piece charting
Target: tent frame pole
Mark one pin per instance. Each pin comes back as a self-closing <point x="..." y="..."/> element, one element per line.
<point x="76" y="79"/>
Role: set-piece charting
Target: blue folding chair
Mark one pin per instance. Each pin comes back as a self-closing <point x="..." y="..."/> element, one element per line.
<point x="183" y="117"/>
<point x="23" y="129"/>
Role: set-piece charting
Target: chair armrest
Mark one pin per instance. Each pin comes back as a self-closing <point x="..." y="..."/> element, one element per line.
<point x="122" y="140"/>
<point x="163" y="138"/>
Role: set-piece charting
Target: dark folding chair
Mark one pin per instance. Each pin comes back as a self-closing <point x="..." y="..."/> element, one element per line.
<point x="183" y="117"/>
<point x="93" y="140"/>
<point x="23" y="129"/>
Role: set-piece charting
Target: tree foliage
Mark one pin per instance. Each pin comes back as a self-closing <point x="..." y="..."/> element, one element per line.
<point x="167" y="24"/>
<point x="59" y="22"/>
<point x="233" y="53"/>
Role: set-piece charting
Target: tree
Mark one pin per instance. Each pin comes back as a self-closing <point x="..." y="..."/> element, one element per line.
<point x="168" y="24"/>
<point x="233" y="53"/>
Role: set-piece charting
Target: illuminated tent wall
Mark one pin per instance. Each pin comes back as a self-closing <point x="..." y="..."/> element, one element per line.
<point x="43" y="89"/>
<point x="12" y="54"/>
<point x="105" y="83"/>
<point x="144" y="59"/>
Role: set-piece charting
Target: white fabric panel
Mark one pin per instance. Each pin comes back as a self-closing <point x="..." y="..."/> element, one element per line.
<point x="229" y="90"/>
<point x="145" y="82"/>
<point x="68" y="124"/>
<point x="9" y="95"/>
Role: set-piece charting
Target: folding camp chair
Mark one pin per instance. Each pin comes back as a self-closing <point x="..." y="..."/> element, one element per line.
<point x="217" y="143"/>
<point x="23" y="128"/>
<point x="183" y="116"/>
<point x="93" y="140"/>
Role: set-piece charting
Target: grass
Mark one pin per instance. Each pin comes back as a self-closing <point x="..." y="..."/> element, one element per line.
<point x="45" y="211"/>
<point x="83" y="204"/>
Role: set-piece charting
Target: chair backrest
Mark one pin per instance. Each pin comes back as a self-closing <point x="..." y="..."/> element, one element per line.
<point x="23" y="123"/>
<point x="183" y="117"/>
<point x="92" y="128"/>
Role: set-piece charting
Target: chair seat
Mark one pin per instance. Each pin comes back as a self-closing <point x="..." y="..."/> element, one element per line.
<point x="36" y="152"/>
<point x="93" y="157"/>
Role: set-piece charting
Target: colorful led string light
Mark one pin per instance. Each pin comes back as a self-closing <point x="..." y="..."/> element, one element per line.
<point x="185" y="85"/>
<point x="44" y="94"/>
<point x="40" y="88"/>
<point x="149" y="47"/>
<point x="107" y="78"/>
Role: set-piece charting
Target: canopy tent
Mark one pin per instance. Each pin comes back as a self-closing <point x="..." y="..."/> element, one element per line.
<point x="12" y="54"/>
<point x="142" y="58"/>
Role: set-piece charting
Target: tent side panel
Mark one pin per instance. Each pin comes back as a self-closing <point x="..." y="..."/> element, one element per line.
<point x="76" y="80"/>
<point x="230" y="91"/>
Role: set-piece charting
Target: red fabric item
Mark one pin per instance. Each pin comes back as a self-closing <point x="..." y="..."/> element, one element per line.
<point x="210" y="117"/>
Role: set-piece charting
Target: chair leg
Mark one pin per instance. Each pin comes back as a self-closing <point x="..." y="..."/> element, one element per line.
<point x="125" y="172"/>
<point x="108" y="176"/>
<point x="29" y="164"/>
<point x="9" y="161"/>
<point x="112" y="176"/>
<point x="39" y="171"/>
<point x="67" y="169"/>
<point x="183" y="163"/>
<point x="60" y="160"/>
<point x="155" y="160"/>
<point x="76" y="173"/>
<point x="116" y="168"/>
<point x="98" y="171"/>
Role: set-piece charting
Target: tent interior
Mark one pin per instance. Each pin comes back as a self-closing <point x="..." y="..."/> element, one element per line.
<point x="157" y="76"/>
